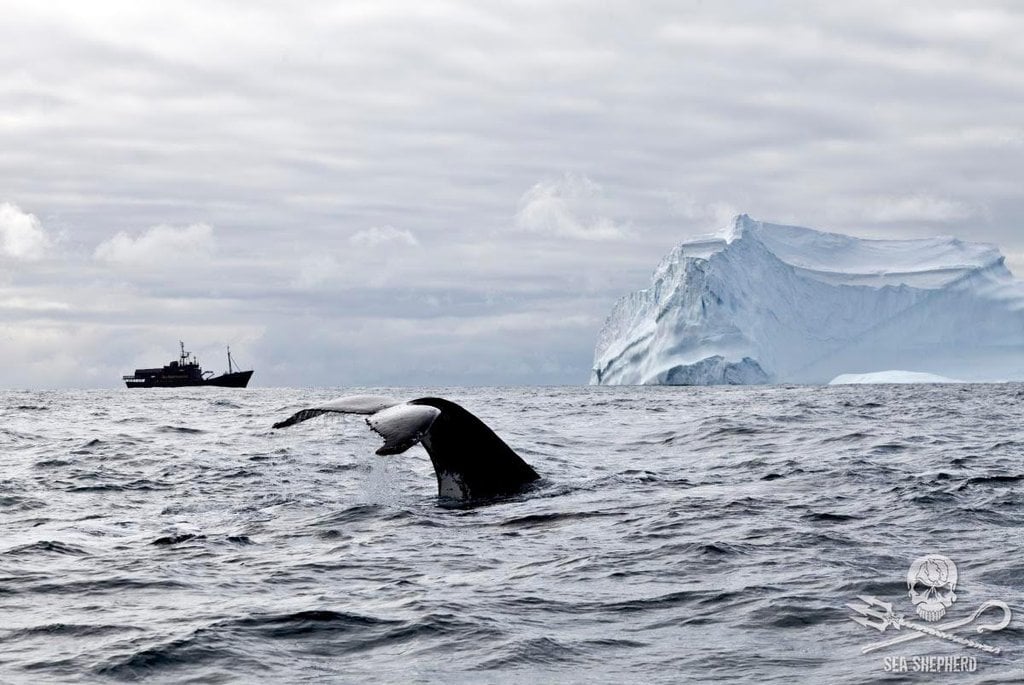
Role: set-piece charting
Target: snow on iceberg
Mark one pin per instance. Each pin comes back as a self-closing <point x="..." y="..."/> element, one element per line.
<point x="783" y="304"/>
<point x="893" y="377"/>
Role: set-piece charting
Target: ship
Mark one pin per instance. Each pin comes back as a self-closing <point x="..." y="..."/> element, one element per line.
<point x="186" y="372"/>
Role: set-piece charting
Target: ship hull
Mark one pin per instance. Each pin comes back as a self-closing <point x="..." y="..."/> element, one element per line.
<point x="238" y="379"/>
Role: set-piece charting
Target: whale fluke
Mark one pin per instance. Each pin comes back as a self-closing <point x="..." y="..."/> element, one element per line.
<point x="353" y="404"/>
<point x="470" y="460"/>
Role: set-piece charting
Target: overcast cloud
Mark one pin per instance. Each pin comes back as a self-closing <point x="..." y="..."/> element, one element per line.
<point x="457" y="192"/>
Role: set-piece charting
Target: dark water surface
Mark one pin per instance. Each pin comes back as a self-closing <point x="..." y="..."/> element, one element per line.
<point x="680" y="534"/>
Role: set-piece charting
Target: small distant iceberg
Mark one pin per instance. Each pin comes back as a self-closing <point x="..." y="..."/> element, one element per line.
<point x="898" y="377"/>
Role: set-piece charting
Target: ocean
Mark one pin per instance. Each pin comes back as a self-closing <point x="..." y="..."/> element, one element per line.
<point x="678" y="535"/>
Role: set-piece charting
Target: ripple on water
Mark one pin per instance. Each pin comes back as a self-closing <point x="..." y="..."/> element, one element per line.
<point x="33" y="549"/>
<point x="180" y="430"/>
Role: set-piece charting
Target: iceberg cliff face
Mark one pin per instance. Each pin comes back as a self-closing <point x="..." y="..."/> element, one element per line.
<point x="784" y="304"/>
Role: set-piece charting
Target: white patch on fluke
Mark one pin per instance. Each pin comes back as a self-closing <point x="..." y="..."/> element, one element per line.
<point x="402" y="426"/>
<point x="359" y="404"/>
<point x="356" y="404"/>
<point x="451" y="486"/>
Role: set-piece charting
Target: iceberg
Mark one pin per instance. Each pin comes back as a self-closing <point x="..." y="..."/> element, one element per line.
<point x="770" y="303"/>
<point x="890" y="377"/>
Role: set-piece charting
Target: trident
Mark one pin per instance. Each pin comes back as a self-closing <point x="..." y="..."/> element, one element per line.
<point x="897" y="621"/>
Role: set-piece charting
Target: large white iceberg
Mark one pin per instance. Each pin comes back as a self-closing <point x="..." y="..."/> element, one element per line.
<point x="767" y="303"/>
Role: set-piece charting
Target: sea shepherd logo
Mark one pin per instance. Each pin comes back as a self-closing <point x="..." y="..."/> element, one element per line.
<point x="931" y="586"/>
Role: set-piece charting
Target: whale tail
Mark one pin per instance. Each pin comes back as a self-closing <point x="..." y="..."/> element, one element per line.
<point x="469" y="459"/>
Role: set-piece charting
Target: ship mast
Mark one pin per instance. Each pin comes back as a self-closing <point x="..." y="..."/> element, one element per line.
<point x="229" y="359"/>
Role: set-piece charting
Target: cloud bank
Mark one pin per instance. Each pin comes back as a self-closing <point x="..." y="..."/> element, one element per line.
<point x="21" y="234"/>
<point x="159" y="246"/>
<point x="567" y="208"/>
<point x="385" y="235"/>
<point x="457" y="192"/>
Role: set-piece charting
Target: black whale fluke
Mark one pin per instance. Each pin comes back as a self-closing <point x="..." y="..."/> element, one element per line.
<point x="470" y="461"/>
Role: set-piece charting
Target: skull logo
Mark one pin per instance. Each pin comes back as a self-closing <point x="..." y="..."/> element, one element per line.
<point x="931" y="581"/>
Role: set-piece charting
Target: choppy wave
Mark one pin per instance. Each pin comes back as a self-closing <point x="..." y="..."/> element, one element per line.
<point x="679" y="534"/>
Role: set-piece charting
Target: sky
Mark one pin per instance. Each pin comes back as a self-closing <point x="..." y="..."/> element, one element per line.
<point x="456" y="193"/>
